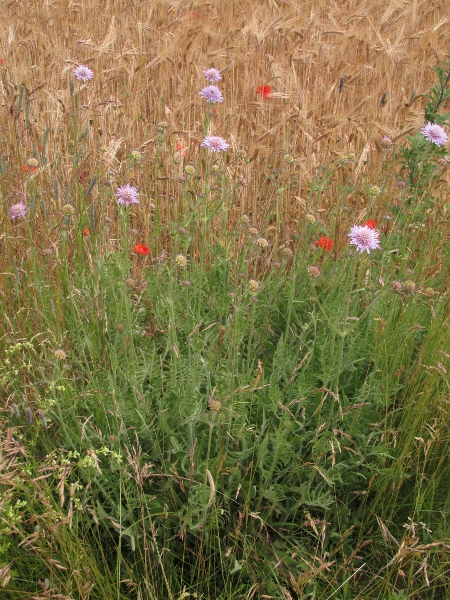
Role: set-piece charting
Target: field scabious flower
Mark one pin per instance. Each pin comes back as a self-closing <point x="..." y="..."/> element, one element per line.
<point x="434" y="133"/>
<point x="325" y="243"/>
<point x="364" y="238"/>
<point x="18" y="210"/>
<point x="127" y="195"/>
<point x="212" y="94"/>
<point x="83" y="73"/>
<point x="215" y="143"/>
<point x="212" y="75"/>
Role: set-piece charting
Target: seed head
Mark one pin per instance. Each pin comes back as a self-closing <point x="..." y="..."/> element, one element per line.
<point x="262" y="242"/>
<point x="32" y="162"/>
<point x="28" y="415"/>
<point x="43" y="419"/>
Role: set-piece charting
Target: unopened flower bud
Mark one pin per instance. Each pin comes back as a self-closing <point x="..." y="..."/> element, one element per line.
<point x="253" y="285"/>
<point x="313" y="271"/>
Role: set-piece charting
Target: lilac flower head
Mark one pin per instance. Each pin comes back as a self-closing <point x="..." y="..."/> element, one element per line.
<point x="215" y="143"/>
<point x="127" y="195"/>
<point x="213" y="75"/>
<point x="83" y="73"/>
<point x="364" y="238"/>
<point x="212" y="94"/>
<point x="435" y="133"/>
<point x="18" y="210"/>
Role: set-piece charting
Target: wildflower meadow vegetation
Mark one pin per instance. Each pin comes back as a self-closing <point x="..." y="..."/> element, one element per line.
<point x="224" y="326"/>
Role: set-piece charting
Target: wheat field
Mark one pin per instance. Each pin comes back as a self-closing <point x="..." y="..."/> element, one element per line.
<point x="342" y="75"/>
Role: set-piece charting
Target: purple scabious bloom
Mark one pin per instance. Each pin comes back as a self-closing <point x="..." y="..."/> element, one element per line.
<point x="127" y="195"/>
<point x="364" y="238"/>
<point x="434" y="133"/>
<point x="215" y="143"/>
<point x="18" y="210"/>
<point x="212" y="94"/>
<point x="83" y="73"/>
<point x="213" y="75"/>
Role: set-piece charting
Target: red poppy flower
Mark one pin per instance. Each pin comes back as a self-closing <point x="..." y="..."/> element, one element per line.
<point x="325" y="243"/>
<point x="26" y="168"/>
<point x="264" y="90"/>
<point x="370" y="224"/>
<point x="141" y="249"/>
<point x="86" y="231"/>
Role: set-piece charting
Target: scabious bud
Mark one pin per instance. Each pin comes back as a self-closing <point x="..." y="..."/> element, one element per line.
<point x="313" y="271"/>
<point x="386" y="143"/>
<point x="374" y="190"/>
<point x="32" y="162"/>
<point x="68" y="209"/>
<point x="262" y="242"/>
<point x="288" y="158"/>
<point x="253" y="285"/>
<point x="409" y="286"/>
<point x="397" y="287"/>
<point x="253" y="231"/>
<point x="181" y="260"/>
<point x="190" y="169"/>
<point x="60" y="354"/>
<point x="287" y="252"/>
<point x="245" y="220"/>
<point x="310" y="219"/>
